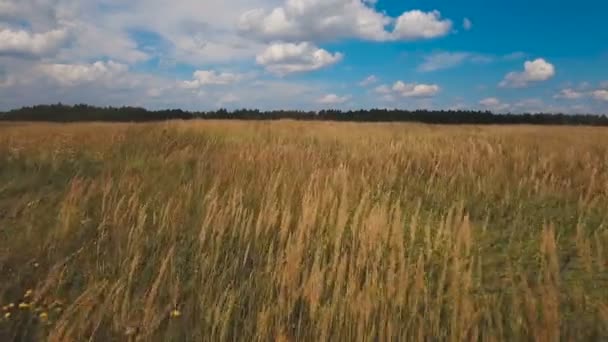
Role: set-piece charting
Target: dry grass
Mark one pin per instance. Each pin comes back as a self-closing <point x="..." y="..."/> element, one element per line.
<point x="294" y="231"/>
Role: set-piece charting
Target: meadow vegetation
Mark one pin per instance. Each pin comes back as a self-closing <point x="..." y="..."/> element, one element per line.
<point x="295" y="231"/>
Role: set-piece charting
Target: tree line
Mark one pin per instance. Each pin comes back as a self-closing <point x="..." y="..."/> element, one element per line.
<point x="80" y="113"/>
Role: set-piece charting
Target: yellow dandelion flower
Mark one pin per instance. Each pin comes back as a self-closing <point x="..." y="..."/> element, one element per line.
<point x="175" y="313"/>
<point x="44" y="317"/>
<point x="7" y="315"/>
<point x="24" y="306"/>
<point x="28" y="293"/>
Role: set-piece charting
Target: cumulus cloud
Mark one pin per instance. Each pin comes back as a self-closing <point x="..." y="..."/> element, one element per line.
<point x="489" y="102"/>
<point x="420" y="25"/>
<point x="312" y="20"/>
<point x="75" y="74"/>
<point x="333" y="99"/>
<point x="415" y="90"/>
<point x="210" y="77"/>
<point x="569" y="94"/>
<point x="467" y="24"/>
<point x="494" y="104"/>
<point x="287" y="58"/>
<point x="21" y="42"/>
<point x="403" y="89"/>
<point x="600" y="95"/>
<point x="301" y="20"/>
<point x="534" y="71"/>
<point x="368" y="81"/>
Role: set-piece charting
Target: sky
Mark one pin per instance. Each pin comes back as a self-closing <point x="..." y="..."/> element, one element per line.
<point x="504" y="56"/>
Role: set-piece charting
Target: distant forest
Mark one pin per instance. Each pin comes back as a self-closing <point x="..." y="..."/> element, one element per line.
<point x="80" y="113"/>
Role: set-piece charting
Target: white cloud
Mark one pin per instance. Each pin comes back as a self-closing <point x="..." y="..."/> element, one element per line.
<point x="440" y="60"/>
<point x="332" y="99"/>
<point x="303" y="20"/>
<point x="446" y="60"/>
<point x="415" y="90"/>
<point x="494" y="104"/>
<point x="314" y="20"/>
<point x="490" y="102"/>
<point x="89" y="84"/>
<point x="368" y="81"/>
<point x="36" y="44"/>
<point x="467" y="24"/>
<point x="534" y="71"/>
<point x="535" y="105"/>
<point x="93" y="41"/>
<point x="420" y="25"/>
<point x="569" y="94"/>
<point x="109" y="29"/>
<point x="383" y="89"/>
<point x="403" y="89"/>
<point x="68" y="31"/>
<point x="75" y="74"/>
<point x="388" y="98"/>
<point x="286" y="58"/>
<point x="600" y="95"/>
<point x="228" y="98"/>
<point x="210" y="77"/>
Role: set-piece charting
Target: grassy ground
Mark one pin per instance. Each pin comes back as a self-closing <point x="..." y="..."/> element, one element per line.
<point x="293" y="231"/>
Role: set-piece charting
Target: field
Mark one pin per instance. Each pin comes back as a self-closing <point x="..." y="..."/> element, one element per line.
<point x="294" y="231"/>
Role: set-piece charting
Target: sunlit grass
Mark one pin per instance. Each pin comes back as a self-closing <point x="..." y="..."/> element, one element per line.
<point x="303" y="231"/>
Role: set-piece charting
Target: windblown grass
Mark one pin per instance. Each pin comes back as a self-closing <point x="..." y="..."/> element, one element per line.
<point x="291" y="231"/>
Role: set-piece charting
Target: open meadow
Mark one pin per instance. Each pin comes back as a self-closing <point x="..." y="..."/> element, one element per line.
<point x="303" y="231"/>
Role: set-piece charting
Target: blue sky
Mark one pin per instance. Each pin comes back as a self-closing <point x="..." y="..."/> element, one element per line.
<point x="515" y="56"/>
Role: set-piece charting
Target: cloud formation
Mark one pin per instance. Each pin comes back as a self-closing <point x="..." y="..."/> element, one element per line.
<point x="333" y="99"/>
<point x="534" y="71"/>
<point x="411" y="90"/>
<point x="287" y="58"/>
<point x="210" y="77"/>
<point x="416" y="24"/>
<point x="371" y="79"/>
<point x="415" y="89"/>
<point x="76" y="74"/>
<point x="600" y="95"/>
<point x="316" y="20"/>
<point x="446" y="60"/>
<point x="21" y="42"/>
<point x="494" y="104"/>
<point x="569" y="94"/>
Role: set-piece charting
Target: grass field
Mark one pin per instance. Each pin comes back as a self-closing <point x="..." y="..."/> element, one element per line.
<point x="293" y="231"/>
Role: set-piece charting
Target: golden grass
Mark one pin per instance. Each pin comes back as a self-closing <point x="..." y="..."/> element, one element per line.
<point x="293" y="231"/>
